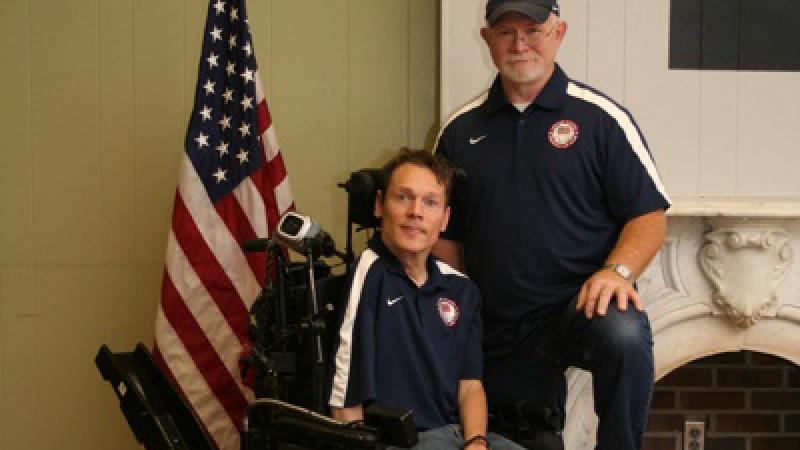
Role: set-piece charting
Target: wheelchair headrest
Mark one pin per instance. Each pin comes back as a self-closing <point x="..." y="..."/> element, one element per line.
<point x="361" y="190"/>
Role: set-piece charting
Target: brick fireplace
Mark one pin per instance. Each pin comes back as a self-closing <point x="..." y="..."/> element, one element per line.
<point x="748" y="401"/>
<point x="723" y="297"/>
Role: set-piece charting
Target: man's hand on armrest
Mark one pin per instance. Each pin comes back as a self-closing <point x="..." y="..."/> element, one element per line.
<point x="347" y="415"/>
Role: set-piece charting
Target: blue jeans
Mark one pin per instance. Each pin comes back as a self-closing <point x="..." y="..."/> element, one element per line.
<point x="616" y="348"/>
<point x="449" y="437"/>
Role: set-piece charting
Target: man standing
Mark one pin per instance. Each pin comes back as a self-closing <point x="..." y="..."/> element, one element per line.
<point x="560" y="210"/>
<point x="411" y="332"/>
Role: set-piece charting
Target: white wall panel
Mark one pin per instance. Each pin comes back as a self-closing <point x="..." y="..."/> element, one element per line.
<point x="769" y="133"/>
<point x="606" y="36"/>
<point x="717" y="159"/>
<point x="574" y="52"/>
<point x="466" y="69"/>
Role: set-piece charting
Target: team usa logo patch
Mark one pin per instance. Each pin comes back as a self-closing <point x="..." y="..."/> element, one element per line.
<point x="563" y="133"/>
<point x="448" y="311"/>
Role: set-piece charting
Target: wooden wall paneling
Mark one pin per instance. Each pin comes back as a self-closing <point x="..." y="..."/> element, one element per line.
<point x="117" y="152"/>
<point x="16" y="222"/>
<point x="64" y="131"/>
<point x="309" y="74"/>
<point x="378" y="83"/>
<point x="72" y="327"/>
<point x="19" y="322"/>
<point x="194" y="23"/>
<point x="20" y="334"/>
<point x="160" y="118"/>
<point x="260" y="15"/>
<point x="423" y="54"/>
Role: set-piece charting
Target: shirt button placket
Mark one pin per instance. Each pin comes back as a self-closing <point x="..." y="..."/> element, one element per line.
<point x="520" y="132"/>
<point x="420" y="309"/>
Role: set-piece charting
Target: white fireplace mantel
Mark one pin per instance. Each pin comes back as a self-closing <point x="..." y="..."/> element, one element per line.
<point x="737" y="207"/>
<point x="725" y="280"/>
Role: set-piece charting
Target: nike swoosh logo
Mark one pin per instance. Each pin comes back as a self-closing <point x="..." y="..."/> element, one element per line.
<point x="474" y="141"/>
<point x="392" y="301"/>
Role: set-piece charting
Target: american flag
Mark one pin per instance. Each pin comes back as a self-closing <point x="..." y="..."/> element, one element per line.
<point x="232" y="187"/>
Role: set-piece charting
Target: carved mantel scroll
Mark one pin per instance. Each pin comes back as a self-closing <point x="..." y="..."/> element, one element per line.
<point x="745" y="262"/>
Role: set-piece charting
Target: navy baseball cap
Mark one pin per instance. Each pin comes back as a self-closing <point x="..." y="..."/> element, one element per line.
<point x="538" y="10"/>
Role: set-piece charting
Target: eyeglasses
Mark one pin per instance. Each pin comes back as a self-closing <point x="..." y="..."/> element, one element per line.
<point x="530" y="36"/>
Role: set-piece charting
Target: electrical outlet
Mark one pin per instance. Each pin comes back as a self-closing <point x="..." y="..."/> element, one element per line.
<point x="694" y="434"/>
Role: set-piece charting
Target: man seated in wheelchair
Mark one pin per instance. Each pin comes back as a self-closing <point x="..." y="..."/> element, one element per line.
<point x="410" y="332"/>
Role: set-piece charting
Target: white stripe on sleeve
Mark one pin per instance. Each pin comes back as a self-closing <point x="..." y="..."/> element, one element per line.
<point x="343" y="355"/>
<point x="625" y="122"/>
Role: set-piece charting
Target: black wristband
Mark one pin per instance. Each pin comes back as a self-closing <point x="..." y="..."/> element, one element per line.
<point x="477" y="437"/>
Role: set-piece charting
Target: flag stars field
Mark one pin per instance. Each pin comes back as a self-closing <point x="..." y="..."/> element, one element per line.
<point x="247" y="75"/>
<point x="242" y="156"/>
<point x="220" y="175"/>
<point x="225" y="122"/>
<point x="220" y="7"/>
<point x="212" y="60"/>
<point x="205" y="113"/>
<point x="202" y="140"/>
<point x="216" y="34"/>
<point x="247" y="103"/>
<point x="209" y="87"/>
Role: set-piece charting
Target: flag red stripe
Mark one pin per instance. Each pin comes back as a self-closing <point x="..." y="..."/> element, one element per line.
<point x="264" y="117"/>
<point x="217" y="376"/>
<point x="208" y="269"/>
<point x="261" y="180"/>
<point x="276" y="171"/>
<point x="231" y="212"/>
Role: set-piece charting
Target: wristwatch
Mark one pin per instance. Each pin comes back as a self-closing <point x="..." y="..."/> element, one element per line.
<point x="621" y="270"/>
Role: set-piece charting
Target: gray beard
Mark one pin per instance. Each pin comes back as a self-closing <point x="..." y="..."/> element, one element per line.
<point x="525" y="75"/>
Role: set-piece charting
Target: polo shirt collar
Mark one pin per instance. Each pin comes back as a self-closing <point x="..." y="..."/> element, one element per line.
<point x="435" y="277"/>
<point x="551" y="97"/>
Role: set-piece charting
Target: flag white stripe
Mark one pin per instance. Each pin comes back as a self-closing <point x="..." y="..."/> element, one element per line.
<point x="216" y="233"/>
<point x="194" y="386"/>
<point x="625" y="122"/>
<point x="252" y="204"/>
<point x="344" y="352"/>
<point x="283" y="195"/>
<point x="270" y="143"/>
<point x="259" y="90"/>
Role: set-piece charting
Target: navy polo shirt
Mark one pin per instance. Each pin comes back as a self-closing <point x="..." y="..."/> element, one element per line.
<point x="406" y="346"/>
<point x="546" y="194"/>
